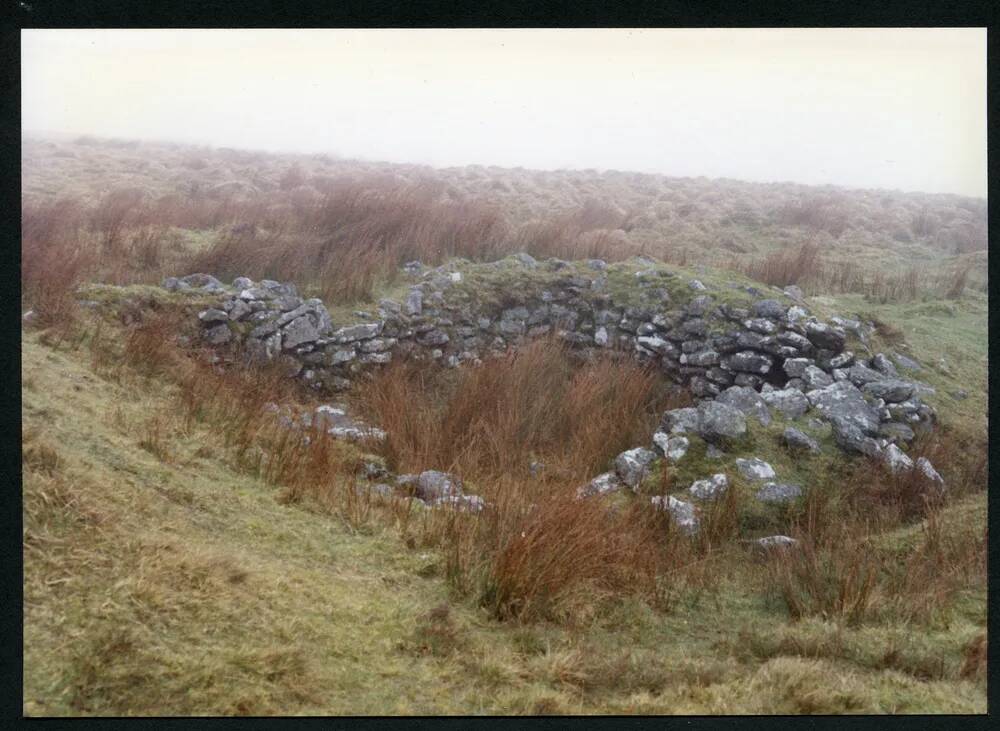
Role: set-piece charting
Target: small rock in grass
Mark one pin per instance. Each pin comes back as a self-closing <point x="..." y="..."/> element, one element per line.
<point x="433" y="484"/>
<point x="797" y="439"/>
<point x="775" y="492"/>
<point x="793" y="292"/>
<point x="770" y="542"/>
<point x="213" y="315"/>
<point x="463" y="503"/>
<point x="683" y="513"/>
<point x="897" y="459"/>
<point x="883" y="365"/>
<point x="632" y="465"/>
<point x="379" y="489"/>
<point x="601" y="485"/>
<point x="755" y="469"/>
<point x="851" y="438"/>
<point x="906" y="362"/>
<point x="374" y="471"/>
<point x="710" y="488"/>
<point x="673" y="447"/>
<point x="925" y="466"/>
<point x="218" y="334"/>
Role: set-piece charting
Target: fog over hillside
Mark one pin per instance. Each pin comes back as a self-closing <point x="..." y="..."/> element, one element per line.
<point x="864" y="108"/>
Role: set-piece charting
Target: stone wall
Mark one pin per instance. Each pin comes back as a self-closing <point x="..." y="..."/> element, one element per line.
<point x="728" y="341"/>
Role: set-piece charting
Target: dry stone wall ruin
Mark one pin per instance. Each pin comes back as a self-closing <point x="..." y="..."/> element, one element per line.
<point x="743" y="352"/>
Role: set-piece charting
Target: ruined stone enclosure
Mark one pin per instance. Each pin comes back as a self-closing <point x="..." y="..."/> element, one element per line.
<point x="745" y="351"/>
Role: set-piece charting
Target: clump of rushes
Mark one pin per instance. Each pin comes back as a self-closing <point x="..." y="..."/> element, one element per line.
<point x="538" y="550"/>
<point x="533" y="404"/>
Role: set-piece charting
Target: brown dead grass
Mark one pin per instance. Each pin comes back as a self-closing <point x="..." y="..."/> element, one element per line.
<point x="974" y="663"/>
<point x="842" y="569"/>
<point x="537" y="551"/>
<point x="532" y="403"/>
<point x="359" y="234"/>
<point x="831" y="578"/>
<point x="782" y="268"/>
<point x="54" y="260"/>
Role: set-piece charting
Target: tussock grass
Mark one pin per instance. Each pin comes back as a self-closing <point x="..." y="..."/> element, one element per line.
<point x="834" y="578"/>
<point x="357" y="235"/>
<point x="538" y="546"/>
<point x="53" y="260"/>
<point x="782" y="268"/>
<point x="845" y="566"/>
<point x="531" y="404"/>
<point x="813" y="268"/>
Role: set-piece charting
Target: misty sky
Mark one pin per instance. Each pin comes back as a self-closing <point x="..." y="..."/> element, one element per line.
<point x="893" y="108"/>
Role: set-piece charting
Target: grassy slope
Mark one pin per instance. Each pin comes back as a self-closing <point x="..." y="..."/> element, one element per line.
<point x="158" y="580"/>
